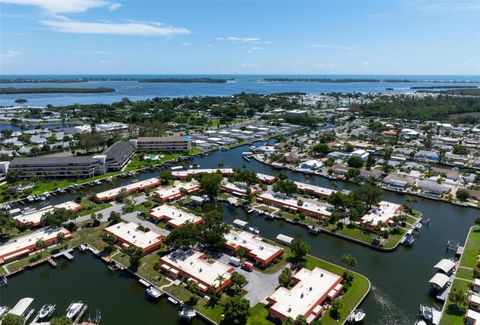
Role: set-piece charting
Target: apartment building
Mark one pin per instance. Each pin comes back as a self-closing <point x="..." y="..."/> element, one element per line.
<point x="175" y="143"/>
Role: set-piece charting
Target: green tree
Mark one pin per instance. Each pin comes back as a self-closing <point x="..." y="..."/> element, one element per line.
<point x="369" y="194"/>
<point x="335" y="309"/>
<point x="321" y="149"/>
<point x="185" y="237"/>
<point x="355" y="162"/>
<point x="57" y="217"/>
<point x="134" y="254"/>
<point x="287" y="187"/>
<point x="213" y="230"/>
<point x="64" y="320"/>
<point x="7" y="224"/>
<point x="285" y="278"/>
<point x="11" y="319"/>
<point x="349" y="261"/>
<point x="462" y="195"/>
<point x="238" y="280"/>
<point x="210" y="183"/>
<point x="299" y="249"/>
<point x="458" y="298"/>
<point x="460" y="150"/>
<point x="115" y="217"/>
<point x="236" y="311"/>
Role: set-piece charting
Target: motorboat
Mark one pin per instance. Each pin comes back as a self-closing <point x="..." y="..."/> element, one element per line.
<point x="3" y="311"/>
<point x="409" y="239"/>
<point x="172" y="300"/>
<point x="83" y="247"/>
<point x="154" y="292"/>
<point x="254" y="230"/>
<point x="314" y="230"/>
<point x="187" y="312"/>
<point x="420" y="322"/>
<point x="74" y="309"/>
<point x="426" y="312"/>
<point x="356" y="316"/>
<point x="417" y="226"/>
<point x="46" y="311"/>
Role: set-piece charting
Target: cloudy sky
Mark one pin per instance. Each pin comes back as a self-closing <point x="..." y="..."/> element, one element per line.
<point x="228" y="37"/>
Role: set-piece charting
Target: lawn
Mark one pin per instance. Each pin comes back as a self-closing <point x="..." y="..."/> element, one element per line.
<point x="27" y="260"/>
<point x="147" y="270"/>
<point x="259" y="315"/>
<point x="452" y="314"/>
<point x="92" y="236"/>
<point x="89" y="207"/>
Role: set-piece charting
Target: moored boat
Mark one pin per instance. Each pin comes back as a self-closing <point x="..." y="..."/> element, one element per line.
<point x="153" y="292"/>
<point x="3" y="311"/>
<point x="187" y="312"/>
<point x="46" y="311"/>
<point x="74" y="309"/>
<point x="426" y="312"/>
<point x="409" y="239"/>
<point x="356" y="316"/>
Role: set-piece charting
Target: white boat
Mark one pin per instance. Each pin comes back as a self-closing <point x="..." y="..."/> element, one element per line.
<point x="426" y="312"/>
<point x="153" y="292"/>
<point x="172" y="300"/>
<point x="254" y="230"/>
<point x="417" y="226"/>
<point x="46" y="311"/>
<point x="83" y="247"/>
<point x="314" y="230"/>
<point x="74" y="309"/>
<point x="187" y="312"/>
<point x="357" y="316"/>
<point x="3" y="311"/>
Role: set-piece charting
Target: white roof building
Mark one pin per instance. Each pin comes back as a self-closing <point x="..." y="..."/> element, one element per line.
<point x="34" y="218"/>
<point x="255" y="247"/>
<point x="307" y="296"/>
<point x="174" y="192"/>
<point x="130" y="234"/>
<point x="381" y="214"/>
<point x="130" y="188"/>
<point x="193" y="265"/>
<point x="445" y="265"/>
<point x="175" y="217"/>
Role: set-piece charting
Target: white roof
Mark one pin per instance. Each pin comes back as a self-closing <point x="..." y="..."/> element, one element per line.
<point x="381" y="214"/>
<point x="305" y="295"/>
<point x="24" y="242"/>
<point x="240" y="223"/>
<point x="475" y="316"/>
<point x="265" y="177"/>
<point x="292" y="203"/>
<point x="445" y="265"/>
<point x="284" y="238"/>
<point x="315" y="189"/>
<point x="130" y="233"/>
<point x="191" y="172"/>
<point x="21" y="306"/>
<point x="166" y="192"/>
<point x="252" y="244"/>
<point x="439" y="279"/>
<point x="195" y="265"/>
<point x="176" y="217"/>
<point x="475" y="299"/>
<point x="129" y="188"/>
<point x="35" y="217"/>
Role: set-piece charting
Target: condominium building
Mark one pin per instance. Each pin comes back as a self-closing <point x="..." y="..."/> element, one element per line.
<point x="56" y="167"/>
<point x="130" y="234"/>
<point x="118" y="155"/>
<point x="175" y="143"/>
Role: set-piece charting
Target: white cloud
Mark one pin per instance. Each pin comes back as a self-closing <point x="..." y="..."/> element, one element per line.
<point x="252" y="40"/>
<point x="10" y="54"/>
<point x="347" y="48"/>
<point x="128" y="28"/>
<point x="104" y="61"/>
<point x="64" y="6"/>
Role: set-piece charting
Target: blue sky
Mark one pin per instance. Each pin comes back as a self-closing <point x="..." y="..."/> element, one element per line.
<point x="228" y="37"/>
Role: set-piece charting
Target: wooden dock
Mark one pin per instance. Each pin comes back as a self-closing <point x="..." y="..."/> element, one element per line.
<point x="66" y="253"/>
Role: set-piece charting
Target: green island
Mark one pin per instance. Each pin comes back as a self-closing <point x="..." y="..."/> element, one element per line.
<point x="54" y="90"/>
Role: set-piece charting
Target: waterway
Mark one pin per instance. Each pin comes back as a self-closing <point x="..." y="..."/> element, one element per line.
<point x="399" y="279"/>
<point x="118" y="296"/>
<point x="241" y="83"/>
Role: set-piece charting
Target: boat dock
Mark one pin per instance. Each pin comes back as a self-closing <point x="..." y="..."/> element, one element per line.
<point x="66" y="253"/>
<point x="80" y="314"/>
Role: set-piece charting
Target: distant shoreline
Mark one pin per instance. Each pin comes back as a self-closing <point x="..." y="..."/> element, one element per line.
<point x="346" y="80"/>
<point x="87" y="79"/>
<point x="53" y="90"/>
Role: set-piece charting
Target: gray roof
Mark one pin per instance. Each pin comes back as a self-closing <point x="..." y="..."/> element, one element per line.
<point x="52" y="160"/>
<point x="117" y="148"/>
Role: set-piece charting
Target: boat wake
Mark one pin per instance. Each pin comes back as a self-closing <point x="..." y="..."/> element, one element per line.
<point x="389" y="312"/>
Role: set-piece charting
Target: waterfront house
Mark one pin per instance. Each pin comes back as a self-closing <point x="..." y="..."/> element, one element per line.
<point x="34" y="218"/>
<point x="299" y="204"/>
<point x="239" y="189"/>
<point x="171" y="193"/>
<point x="194" y="266"/>
<point x="380" y="215"/>
<point x="128" y="189"/>
<point x="431" y="187"/>
<point x="131" y="234"/>
<point x="309" y="296"/>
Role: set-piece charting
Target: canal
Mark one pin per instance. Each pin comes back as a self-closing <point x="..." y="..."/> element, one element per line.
<point x="399" y="279"/>
<point x="118" y="296"/>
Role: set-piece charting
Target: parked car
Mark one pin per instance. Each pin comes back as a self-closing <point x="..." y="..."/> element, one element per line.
<point x="247" y="267"/>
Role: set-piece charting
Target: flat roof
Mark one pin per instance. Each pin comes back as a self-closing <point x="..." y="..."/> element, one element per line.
<point x="166" y="192"/>
<point x="24" y="242"/>
<point x="191" y="172"/>
<point x="312" y="288"/>
<point x="253" y="244"/>
<point x="52" y="160"/>
<point x="129" y="188"/>
<point x="475" y="316"/>
<point x="176" y="216"/>
<point x="195" y="265"/>
<point x="35" y="217"/>
<point x="315" y="189"/>
<point x="381" y="214"/>
<point x="117" y="148"/>
<point x="21" y="306"/>
<point x="265" y="177"/>
<point x="130" y="233"/>
<point x="182" y="138"/>
<point x="293" y="203"/>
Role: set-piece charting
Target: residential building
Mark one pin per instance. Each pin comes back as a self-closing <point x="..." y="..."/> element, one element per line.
<point x="174" y="216"/>
<point x="130" y="188"/>
<point x="307" y="298"/>
<point x="118" y="155"/>
<point x="174" y="143"/>
<point x="192" y="265"/>
<point x="167" y="194"/>
<point x="310" y="208"/>
<point x="34" y="218"/>
<point x="130" y="234"/>
<point x="24" y="245"/>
